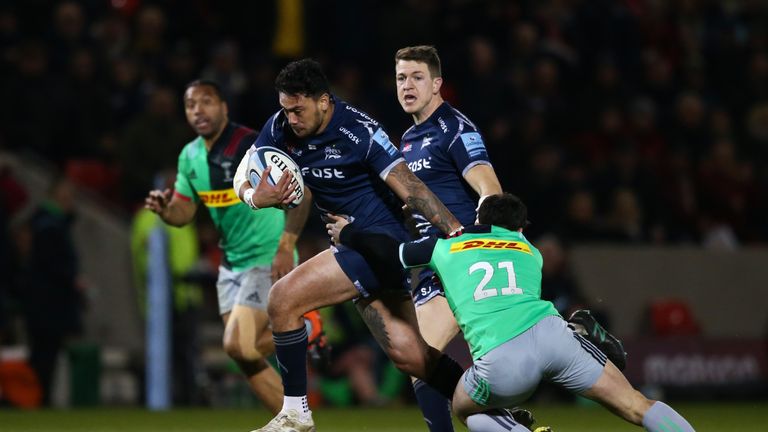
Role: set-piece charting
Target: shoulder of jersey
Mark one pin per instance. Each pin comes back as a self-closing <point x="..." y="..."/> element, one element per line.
<point x="275" y="124"/>
<point x="356" y="126"/>
<point x="191" y="149"/>
<point x="452" y="121"/>
<point x="244" y="134"/>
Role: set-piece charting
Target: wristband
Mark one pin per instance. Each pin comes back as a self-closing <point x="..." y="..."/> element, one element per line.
<point x="248" y="198"/>
<point x="457" y="232"/>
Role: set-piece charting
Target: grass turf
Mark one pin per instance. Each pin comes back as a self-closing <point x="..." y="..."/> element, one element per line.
<point x="742" y="417"/>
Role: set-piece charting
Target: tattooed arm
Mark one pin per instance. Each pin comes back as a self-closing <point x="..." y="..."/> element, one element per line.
<point x="417" y="196"/>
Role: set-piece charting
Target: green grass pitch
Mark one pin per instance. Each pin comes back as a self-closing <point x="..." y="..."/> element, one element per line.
<point x="742" y="417"/>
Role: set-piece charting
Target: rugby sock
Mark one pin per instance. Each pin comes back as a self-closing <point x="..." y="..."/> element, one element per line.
<point x="660" y="417"/>
<point x="434" y="407"/>
<point x="445" y="375"/>
<point x="291" y="350"/>
<point x="494" y="421"/>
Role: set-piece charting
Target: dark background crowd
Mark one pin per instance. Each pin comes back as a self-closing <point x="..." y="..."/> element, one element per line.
<point x="629" y="121"/>
<point x="638" y="122"/>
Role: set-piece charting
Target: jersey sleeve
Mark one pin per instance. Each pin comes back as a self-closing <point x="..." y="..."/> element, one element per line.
<point x="183" y="186"/>
<point x="468" y="150"/>
<point x="382" y="154"/>
<point x="417" y="253"/>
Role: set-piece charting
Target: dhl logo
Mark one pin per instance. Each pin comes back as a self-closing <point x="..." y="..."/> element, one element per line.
<point x="490" y="244"/>
<point x="219" y="198"/>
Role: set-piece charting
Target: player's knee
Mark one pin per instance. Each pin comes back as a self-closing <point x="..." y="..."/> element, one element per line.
<point x="279" y="303"/>
<point x="235" y="349"/>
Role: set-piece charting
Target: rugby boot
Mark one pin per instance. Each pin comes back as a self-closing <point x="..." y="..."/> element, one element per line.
<point x="289" y="421"/>
<point x="585" y="324"/>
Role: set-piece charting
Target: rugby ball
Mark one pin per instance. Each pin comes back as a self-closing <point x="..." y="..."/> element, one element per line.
<point x="279" y="161"/>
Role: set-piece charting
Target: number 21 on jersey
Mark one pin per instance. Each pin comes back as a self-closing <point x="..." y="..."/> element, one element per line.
<point x="481" y="292"/>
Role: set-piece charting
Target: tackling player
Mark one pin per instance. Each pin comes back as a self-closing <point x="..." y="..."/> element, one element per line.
<point x="259" y="247"/>
<point x="492" y="280"/>
<point x="446" y="151"/>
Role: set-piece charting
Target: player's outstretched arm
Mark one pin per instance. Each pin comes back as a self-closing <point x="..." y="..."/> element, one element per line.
<point x="417" y="196"/>
<point x="482" y="178"/>
<point x="379" y="250"/>
<point x="172" y="209"/>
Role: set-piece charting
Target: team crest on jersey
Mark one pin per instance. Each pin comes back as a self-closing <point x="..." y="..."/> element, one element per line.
<point x="227" y="167"/>
<point x="332" y="153"/>
<point x="407" y="147"/>
<point x="490" y="244"/>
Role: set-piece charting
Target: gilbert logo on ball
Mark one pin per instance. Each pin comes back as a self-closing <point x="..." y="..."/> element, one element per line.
<point x="280" y="162"/>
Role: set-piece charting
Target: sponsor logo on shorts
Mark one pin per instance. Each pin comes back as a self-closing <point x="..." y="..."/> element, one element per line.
<point x="490" y="244"/>
<point x="219" y="198"/>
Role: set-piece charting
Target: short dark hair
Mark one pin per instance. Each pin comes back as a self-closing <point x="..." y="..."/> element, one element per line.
<point x="206" y="82"/>
<point x="504" y="210"/>
<point x="303" y="77"/>
<point x="423" y="54"/>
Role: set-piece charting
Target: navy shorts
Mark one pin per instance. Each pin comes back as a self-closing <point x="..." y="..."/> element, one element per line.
<point x="359" y="272"/>
<point x="427" y="287"/>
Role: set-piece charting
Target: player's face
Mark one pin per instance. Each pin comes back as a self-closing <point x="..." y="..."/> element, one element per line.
<point x="415" y="85"/>
<point x="305" y="114"/>
<point x="206" y="112"/>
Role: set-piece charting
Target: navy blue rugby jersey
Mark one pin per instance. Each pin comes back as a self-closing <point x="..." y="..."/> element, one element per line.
<point x="344" y="166"/>
<point x="440" y="151"/>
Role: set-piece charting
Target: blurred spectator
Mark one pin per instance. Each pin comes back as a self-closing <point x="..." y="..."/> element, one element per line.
<point x="625" y="219"/>
<point x="690" y="128"/>
<point x="52" y="290"/>
<point x="13" y="197"/>
<point x="580" y="222"/>
<point x="68" y="34"/>
<point x="558" y="283"/>
<point x="225" y="69"/>
<point x="588" y="79"/>
<point x="725" y="188"/>
<point x="149" y="142"/>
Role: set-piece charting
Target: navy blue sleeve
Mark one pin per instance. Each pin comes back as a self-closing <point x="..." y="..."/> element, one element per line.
<point x="468" y="150"/>
<point x="417" y="253"/>
<point x="268" y="134"/>
<point x="382" y="154"/>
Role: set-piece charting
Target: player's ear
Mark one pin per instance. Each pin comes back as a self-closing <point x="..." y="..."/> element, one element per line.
<point x="225" y="108"/>
<point x="436" y="84"/>
<point x="324" y="101"/>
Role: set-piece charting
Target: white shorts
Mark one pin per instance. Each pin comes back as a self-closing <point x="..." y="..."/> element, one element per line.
<point x="248" y="288"/>
<point x="508" y="374"/>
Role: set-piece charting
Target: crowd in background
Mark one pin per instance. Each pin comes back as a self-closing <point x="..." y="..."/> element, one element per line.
<point x="628" y="121"/>
<point x="624" y="121"/>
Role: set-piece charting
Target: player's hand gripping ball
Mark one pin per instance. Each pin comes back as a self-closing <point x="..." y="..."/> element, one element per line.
<point x="279" y="161"/>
